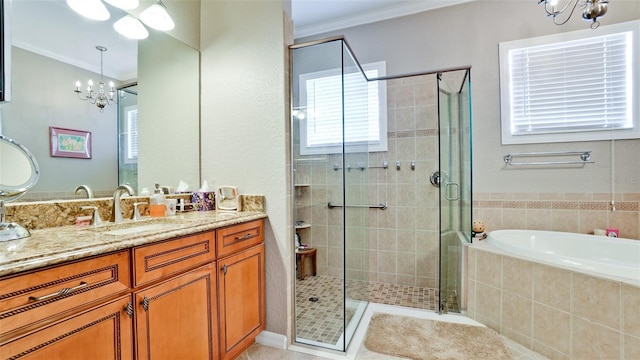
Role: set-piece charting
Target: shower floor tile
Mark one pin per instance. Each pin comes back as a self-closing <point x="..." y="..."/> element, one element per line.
<point x="321" y="320"/>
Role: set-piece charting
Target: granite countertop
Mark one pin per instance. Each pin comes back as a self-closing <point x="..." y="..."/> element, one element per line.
<point x="59" y="244"/>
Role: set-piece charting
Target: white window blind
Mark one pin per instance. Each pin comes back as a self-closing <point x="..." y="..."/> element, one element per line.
<point x="570" y="90"/>
<point x="131" y="135"/>
<point x="364" y="111"/>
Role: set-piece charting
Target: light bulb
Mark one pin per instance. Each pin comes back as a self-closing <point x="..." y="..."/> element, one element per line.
<point x="92" y="9"/>
<point x="157" y="17"/>
<point x="124" y="4"/>
<point x="131" y="27"/>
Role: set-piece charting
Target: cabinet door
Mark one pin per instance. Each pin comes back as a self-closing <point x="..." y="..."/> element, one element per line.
<point x="241" y="300"/>
<point x="76" y="337"/>
<point x="176" y="319"/>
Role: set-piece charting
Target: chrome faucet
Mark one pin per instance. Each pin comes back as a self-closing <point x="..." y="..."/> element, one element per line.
<point x="95" y="215"/>
<point x="86" y="189"/>
<point x="116" y="212"/>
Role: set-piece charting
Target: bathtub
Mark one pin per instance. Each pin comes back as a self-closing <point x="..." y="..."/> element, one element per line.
<point x="614" y="258"/>
<point x="564" y="295"/>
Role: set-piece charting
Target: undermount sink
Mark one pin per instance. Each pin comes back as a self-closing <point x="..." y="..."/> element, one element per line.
<point x="135" y="227"/>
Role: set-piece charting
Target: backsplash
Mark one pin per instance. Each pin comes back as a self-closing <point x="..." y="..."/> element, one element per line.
<point x="45" y="214"/>
<point x="566" y="212"/>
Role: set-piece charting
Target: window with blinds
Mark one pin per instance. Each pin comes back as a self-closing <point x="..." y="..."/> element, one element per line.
<point x="322" y="108"/>
<point x="131" y="135"/>
<point x="577" y="86"/>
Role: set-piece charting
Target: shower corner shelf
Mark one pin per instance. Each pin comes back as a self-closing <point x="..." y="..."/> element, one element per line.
<point x="302" y="185"/>
<point x="303" y="226"/>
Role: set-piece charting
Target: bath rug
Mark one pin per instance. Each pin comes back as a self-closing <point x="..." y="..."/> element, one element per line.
<point x="423" y="339"/>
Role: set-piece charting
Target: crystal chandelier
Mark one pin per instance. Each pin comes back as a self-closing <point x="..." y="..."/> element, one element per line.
<point x="100" y="98"/>
<point x="591" y="10"/>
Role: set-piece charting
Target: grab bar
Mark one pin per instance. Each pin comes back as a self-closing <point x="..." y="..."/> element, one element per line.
<point x="361" y="166"/>
<point x="585" y="158"/>
<point x="379" y="206"/>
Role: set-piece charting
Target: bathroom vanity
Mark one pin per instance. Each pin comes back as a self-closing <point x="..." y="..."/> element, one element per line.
<point x="187" y="287"/>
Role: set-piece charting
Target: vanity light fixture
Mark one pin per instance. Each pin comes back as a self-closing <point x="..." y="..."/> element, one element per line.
<point x="157" y="17"/>
<point x="92" y="9"/>
<point x="591" y="10"/>
<point x="124" y="4"/>
<point x="131" y="27"/>
<point x="100" y="98"/>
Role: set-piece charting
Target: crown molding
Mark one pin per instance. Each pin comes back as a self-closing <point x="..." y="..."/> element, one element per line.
<point x="372" y="16"/>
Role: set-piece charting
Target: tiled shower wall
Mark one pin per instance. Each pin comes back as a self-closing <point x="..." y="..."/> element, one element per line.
<point x="398" y="245"/>
<point x="566" y="212"/>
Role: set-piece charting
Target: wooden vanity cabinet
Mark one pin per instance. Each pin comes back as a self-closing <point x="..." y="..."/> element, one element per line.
<point x="241" y="286"/>
<point x="241" y="295"/>
<point x="176" y="319"/>
<point x="59" y="312"/>
<point x="193" y="297"/>
<point x="175" y="311"/>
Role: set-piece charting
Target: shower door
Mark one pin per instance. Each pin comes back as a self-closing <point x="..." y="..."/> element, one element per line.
<point x="128" y="136"/>
<point x="330" y="195"/>
<point x="454" y="114"/>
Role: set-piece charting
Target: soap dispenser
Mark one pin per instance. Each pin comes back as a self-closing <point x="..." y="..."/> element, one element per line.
<point x="157" y="207"/>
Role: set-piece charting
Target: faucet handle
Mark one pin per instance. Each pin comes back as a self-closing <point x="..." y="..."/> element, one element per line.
<point x="95" y="218"/>
<point x="136" y="211"/>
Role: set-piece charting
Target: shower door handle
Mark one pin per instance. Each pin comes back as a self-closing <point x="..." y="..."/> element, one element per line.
<point x="456" y="191"/>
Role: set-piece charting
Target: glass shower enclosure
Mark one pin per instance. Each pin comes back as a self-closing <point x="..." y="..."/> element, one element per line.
<point x="371" y="224"/>
<point x="331" y="192"/>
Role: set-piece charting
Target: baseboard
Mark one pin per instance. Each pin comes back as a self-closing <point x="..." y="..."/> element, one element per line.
<point x="272" y="339"/>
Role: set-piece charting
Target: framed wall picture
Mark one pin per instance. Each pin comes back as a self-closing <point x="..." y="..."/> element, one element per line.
<point x="70" y="143"/>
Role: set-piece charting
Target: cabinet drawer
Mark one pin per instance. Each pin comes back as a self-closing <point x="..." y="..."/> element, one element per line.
<point x="239" y="237"/>
<point x="104" y="332"/>
<point x="156" y="261"/>
<point x="37" y="295"/>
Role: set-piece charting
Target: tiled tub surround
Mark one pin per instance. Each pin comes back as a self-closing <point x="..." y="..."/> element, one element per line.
<point x="53" y="213"/>
<point x="555" y="311"/>
<point x="566" y="212"/>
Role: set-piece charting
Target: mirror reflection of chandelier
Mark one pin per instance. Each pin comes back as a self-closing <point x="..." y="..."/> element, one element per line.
<point x="99" y="97"/>
<point x="591" y="10"/>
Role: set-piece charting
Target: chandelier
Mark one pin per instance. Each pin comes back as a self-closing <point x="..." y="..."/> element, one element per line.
<point x="100" y="98"/>
<point x="591" y="10"/>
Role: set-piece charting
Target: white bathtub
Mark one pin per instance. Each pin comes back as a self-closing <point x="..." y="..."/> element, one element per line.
<point x="614" y="258"/>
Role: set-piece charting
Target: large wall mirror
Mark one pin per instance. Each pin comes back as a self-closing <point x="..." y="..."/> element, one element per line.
<point x="164" y="70"/>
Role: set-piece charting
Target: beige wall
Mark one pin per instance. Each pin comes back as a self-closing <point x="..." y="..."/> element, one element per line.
<point x="469" y="34"/>
<point x="168" y="125"/>
<point x="42" y="96"/>
<point x="244" y="124"/>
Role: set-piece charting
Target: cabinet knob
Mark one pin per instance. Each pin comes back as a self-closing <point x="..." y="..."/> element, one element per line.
<point x="129" y="309"/>
<point x="224" y="269"/>
<point x="145" y="303"/>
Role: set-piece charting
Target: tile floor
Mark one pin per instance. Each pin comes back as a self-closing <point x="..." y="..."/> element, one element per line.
<point x="321" y="320"/>
<point x="263" y="352"/>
